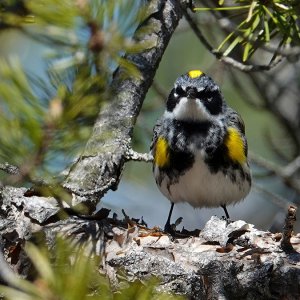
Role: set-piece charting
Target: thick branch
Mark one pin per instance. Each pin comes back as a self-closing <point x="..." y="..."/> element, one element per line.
<point x="234" y="261"/>
<point x="100" y="166"/>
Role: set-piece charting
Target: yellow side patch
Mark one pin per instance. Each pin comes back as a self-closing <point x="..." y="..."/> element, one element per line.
<point x="162" y="154"/>
<point x="195" y="73"/>
<point x="235" y="145"/>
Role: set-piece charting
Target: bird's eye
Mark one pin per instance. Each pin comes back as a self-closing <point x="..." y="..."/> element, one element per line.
<point x="180" y="91"/>
<point x="211" y="99"/>
<point x="205" y="95"/>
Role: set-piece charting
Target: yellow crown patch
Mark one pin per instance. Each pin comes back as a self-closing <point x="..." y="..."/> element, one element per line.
<point x="195" y="73"/>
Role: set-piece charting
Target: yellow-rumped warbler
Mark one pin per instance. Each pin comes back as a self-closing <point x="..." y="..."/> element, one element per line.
<point x="199" y="147"/>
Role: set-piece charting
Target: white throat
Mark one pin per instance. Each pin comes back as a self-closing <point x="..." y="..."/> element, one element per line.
<point x="189" y="109"/>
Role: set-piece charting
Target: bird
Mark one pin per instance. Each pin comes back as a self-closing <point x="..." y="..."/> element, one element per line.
<point x="199" y="147"/>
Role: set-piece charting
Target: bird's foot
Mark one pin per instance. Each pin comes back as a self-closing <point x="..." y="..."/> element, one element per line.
<point x="228" y="220"/>
<point x="170" y="229"/>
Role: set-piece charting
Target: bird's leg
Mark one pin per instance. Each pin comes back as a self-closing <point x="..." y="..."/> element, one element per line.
<point x="226" y="214"/>
<point x="225" y="210"/>
<point x="168" y="227"/>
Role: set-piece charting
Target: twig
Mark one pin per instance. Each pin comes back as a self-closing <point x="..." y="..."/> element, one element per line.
<point x="10" y="169"/>
<point x="276" y="170"/>
<point x="199" y="33"/>
<point x="290" y="169"/>
<point x="135" y="156"/>
<point x="228" y="60"/>
<point x="276" y="110"/>
<point x="247" y="68"/>
<point x="288" y="229"/>
<point x="275" y="198"/>
<point x="288" y="52"/>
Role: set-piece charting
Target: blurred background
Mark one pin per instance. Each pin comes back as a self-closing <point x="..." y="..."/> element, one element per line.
<point x="268" y="101"/>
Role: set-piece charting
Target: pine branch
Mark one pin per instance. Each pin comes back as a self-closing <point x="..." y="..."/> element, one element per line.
<point x="226" y="59"/>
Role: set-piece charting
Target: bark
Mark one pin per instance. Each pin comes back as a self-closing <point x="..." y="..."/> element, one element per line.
<point x="101" y="164"/>
<point x="235" y="261"/>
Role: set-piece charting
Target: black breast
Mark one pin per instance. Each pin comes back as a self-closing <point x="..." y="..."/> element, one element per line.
<point x="180" y="136"/>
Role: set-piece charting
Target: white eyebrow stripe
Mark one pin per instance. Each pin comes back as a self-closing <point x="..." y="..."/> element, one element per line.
<point x="183" y="87"/>
<point x="201" y="89"/>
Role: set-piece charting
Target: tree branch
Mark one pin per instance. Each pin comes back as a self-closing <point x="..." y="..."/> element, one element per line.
<point x="282" y="173"/>
<point x="9" y="169"/>
<point x="100" y="166"/>
<point x="226" y="59"/>
<point x="233" y="261"/>
<point x="226" y="261"/>
<point x="135" y="156"/>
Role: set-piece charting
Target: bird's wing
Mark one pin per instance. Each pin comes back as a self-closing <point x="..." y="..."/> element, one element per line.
<point x="236" y="121"/>
<point x="156" y="131"/>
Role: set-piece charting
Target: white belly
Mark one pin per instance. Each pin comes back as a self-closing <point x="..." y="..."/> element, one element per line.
<point x="201" y="188"/>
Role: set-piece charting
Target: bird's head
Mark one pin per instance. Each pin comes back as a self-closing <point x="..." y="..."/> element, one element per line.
<point x="195" y="97"/>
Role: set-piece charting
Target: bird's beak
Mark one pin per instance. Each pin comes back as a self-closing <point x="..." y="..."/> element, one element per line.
<point x="191" y="93"/>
